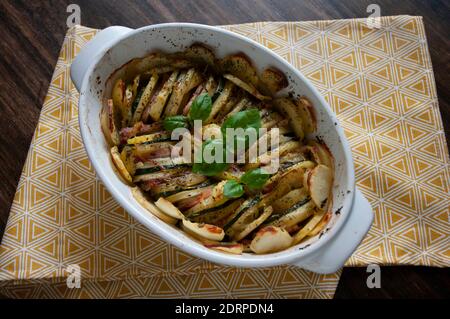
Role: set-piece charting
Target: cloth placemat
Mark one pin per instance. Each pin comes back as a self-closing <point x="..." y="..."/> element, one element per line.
<point x="379" y="82"/>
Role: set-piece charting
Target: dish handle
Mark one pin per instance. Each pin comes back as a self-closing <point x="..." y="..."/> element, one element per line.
<point x="99" y="44"/>
<point x="334" y="254"/>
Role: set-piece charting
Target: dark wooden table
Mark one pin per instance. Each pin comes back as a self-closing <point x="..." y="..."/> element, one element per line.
<point x="31" y="34"/>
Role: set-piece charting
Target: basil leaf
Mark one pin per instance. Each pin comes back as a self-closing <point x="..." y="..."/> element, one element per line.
<point x="244" y="119"/>
<point x="247" y="120"/>
<point x="201" y="107"/>
<point x="217" y="166"/>
<point x="233" y="189"/>
<point x="173" y="122"/>
<point x="256" y="178"/>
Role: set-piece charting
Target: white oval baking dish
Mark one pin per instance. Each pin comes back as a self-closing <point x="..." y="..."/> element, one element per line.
<point x="115" y="46"/>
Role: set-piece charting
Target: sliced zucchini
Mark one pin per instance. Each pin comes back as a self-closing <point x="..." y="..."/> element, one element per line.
<point x="270" y="239"/>
<point x="219" y="89"/>
<point x="292" y="175"/>
<point x="181" y="183"/>
<point x="145" y="99"/>
<point x="284" y="203"/>
<point x="248" y="228"/>
<point x="156" y="106"/>
<point x="296" y="214"/>
<point x="163" y="174"/>
<point x="158" y="168"/>
<point x="115" y="155"/>
<point x="216" y="199"/>
<point x="249" y="204"/>
<point x="246" y="87"/>
<point x="217" y="215"/>
<point x="191" y="80"/>
<point x="221" y="101"/>
<point x="150" y="138"/>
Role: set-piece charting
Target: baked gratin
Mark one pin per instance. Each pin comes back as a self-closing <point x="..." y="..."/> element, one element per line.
<point x="231" y="207"/>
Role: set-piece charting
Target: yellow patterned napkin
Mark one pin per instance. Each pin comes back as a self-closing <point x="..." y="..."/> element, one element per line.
<point x="379" y="82"/>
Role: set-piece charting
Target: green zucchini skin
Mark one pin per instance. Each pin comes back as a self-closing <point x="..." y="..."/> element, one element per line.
<point x="242" y="210"/>
<point x="154" y="169"/>
<point x="181" y="189"/>
<point x="158" y="140"/>
<point x="209" y="210"/>
<point x="136" y="100"/>
<point x="299" y="204"/>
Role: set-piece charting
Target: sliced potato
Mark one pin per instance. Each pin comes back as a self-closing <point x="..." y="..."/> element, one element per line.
<point x="128" y="158"/>
<point x="155" y="109"/>
<point x="211" y="131"/>
<point x="290" y="110"/>
<point x="306" y="111"/>
<point x="200" y="53"/>
<point x="149" y="138"/>
<point x="145" y="98"/>
<point x="168" y="208"/>
<point x="115" y="155"/>
<point x="205" y="231"/>
<point x="322" y="154"/>
<point x="221" y="101"/>
<point x="139" y="196"/>
<point x="216" y="199"/>
<point x="270" y="239"/>
<point x="296" y="216"/>
<point x="237" y="108"/>
<point x="211" y="85"/>
<point x="268" y="157"/>
<point x="230" y="248"/>
<point x="321" y="225"/>
<point x="246" y="87"/>
<point x="308" y="227"/>
<point x="109" y="121"/>
<point x="191" y="80"/>
<point x="239" y="66"/>
<point x="154" y="150"/>
<point x="319" y="182"/>
<point x="188" y="194"/>
<point x="274" y="80"/>
<point x="254" y="224"/>
<point x="306" y="175"/>
<point x="118" y="93"/>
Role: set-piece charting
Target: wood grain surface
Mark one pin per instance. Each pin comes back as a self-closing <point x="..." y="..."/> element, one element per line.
<point x="32" y="32"/>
